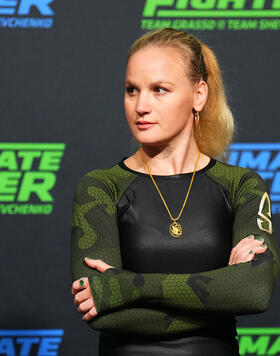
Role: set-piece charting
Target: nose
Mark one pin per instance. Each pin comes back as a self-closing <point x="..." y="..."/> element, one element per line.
<point x="143" y="105"/>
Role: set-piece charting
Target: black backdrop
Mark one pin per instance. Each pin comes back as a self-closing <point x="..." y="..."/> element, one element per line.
<point x="65" y="84"/>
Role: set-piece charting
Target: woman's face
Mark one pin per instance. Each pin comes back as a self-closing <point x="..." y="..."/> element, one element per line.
<point x="158" y="91"/>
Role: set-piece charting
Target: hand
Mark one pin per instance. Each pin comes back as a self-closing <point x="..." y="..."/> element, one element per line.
<point x="241" y="252"/>
<point x="81" y="289"/>
<point x="83" y="298"/>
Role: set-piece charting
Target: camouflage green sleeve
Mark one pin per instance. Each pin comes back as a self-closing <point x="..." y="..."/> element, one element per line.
<point x="94" y="216"/>
<point x="244" y="288"/>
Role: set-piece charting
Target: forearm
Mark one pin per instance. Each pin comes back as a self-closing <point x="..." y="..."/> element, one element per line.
<point x="146" y="322"/>
<point x="239" y="289"/>
<point x="137" y="320"/>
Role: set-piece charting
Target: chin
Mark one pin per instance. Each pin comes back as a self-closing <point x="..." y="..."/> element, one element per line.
<point x="153" y="141"/>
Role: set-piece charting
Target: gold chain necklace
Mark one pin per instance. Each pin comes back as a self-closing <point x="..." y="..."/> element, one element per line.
<point x="175" y="228"/>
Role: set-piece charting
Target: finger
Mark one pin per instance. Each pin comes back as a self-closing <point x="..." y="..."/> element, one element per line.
<point x="253" y="251"/>
<point x="260" y="240"/>
<point x="260" y="249"/>
<point x="86" y="306"/>
<point x="256" y="249"/>
<point x="243" y="242"/>
<point x="241" y="252"/>
<point x="93" y="261"/>
<point x="230" y="262"/>
<point x="245" y="255"/>
<point x="90" y="314"/>
<point x="82" y="296"/>
<point x="79" y="284"/>
<point x="96" y="263"/>
<point x="250" y="256"/>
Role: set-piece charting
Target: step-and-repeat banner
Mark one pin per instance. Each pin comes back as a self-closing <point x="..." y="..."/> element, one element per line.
<point x="62" y="85"/>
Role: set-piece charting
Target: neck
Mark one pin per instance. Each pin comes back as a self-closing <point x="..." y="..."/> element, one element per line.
<point x="171" y="159"/>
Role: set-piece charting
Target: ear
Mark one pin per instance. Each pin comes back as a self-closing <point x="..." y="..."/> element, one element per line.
<point x="200" y="95"/>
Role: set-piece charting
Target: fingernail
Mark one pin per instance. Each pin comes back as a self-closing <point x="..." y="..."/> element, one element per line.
<point x="251" y="251"/>
<point x="263" y="245"/>
<point x="89" y="258"/>
<point x="83" y="318"/>
<point x="259" y="238"/>
<point x="81" y="282"/>
<point x="250" y="236"/>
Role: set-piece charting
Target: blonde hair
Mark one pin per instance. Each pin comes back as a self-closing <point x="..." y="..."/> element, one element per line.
<point x="216" y="126"/>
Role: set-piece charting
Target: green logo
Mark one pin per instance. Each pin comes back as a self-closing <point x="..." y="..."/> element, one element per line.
<point x="27" y="177"/>
<point x="212" y="14"/>
<point x="259" y="341"/>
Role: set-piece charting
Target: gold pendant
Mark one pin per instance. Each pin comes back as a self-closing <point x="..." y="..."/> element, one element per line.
<point x="175" y="229"/>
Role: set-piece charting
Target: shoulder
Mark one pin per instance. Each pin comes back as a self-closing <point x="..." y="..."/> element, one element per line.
<point x="236" y="178"/>
<point x="112" y="181"/>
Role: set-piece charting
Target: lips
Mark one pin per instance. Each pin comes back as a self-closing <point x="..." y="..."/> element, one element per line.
<point x="144" y="125"/>
<point x="144" y="122"/>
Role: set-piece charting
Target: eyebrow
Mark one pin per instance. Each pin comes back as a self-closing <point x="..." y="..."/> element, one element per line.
<point x="153" y="83"/>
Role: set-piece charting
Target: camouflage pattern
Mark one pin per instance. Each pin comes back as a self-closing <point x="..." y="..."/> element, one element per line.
<point x="155" y="304"/>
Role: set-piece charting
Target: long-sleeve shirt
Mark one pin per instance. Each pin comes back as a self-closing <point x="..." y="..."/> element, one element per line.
<point x="161" y="286"/>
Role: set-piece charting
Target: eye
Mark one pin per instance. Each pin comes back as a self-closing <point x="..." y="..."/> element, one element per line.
<point x="129" y="89"/>
<point x="159" y="88"/>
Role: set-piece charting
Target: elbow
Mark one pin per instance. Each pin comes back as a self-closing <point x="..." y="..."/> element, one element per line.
<point x="261" y="307"/>
<point x="263" y="295"/>
<point x="264" y="282"/>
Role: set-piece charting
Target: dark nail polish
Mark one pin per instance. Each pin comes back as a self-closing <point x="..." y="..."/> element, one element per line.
<point x="81" y="282"/>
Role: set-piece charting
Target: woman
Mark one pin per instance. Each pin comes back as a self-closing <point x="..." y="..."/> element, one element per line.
<point x="169" y="244"/>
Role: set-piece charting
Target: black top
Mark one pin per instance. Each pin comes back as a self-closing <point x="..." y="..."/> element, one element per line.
<point x="199" y="249"/>
<point x="166" y="295"/>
